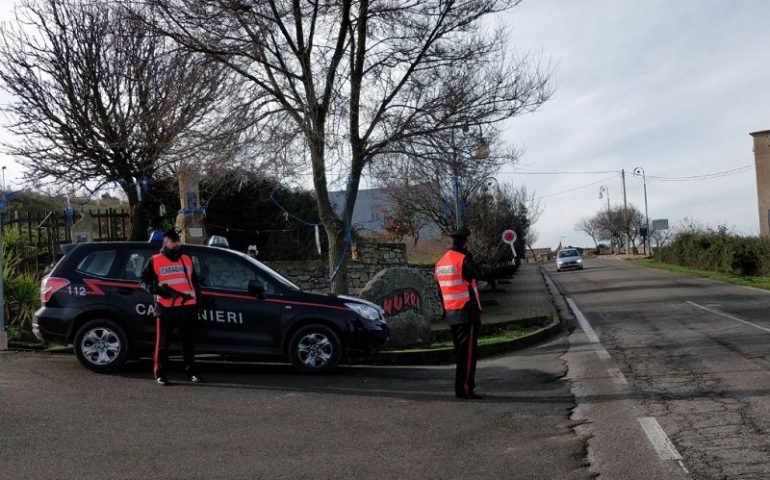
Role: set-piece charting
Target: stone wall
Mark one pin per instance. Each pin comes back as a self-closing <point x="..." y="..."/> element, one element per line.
<point x="367" y="259"/>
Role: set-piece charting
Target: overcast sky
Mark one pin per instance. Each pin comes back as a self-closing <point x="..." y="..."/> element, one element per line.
<point x="673" y="87"/>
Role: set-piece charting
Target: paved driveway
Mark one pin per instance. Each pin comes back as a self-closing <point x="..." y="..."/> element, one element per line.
<point x="61" y="421"/>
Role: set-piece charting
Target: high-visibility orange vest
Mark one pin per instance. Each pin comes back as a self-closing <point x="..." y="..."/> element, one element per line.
<point x="177" y="275"/>
<point x="454" y="288"/>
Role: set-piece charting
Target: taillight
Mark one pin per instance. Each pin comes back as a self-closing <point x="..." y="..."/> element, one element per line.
<point x="51" y="285"/>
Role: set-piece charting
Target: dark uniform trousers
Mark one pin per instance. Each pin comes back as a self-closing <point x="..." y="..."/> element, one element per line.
<point x="465" y="339"/>
<point x="182" y="320"/>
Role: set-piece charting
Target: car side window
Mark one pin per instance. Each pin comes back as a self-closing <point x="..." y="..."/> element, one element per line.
<point x="97" y="263"/>
<point x="226" y="272"/>
<point x="135" y="263"/>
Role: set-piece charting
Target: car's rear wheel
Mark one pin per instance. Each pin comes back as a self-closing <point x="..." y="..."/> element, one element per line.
<point x="101" y="345"/>
<point x="315" y="349"/>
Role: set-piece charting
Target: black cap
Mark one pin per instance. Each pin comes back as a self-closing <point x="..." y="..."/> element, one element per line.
<point x="462" y="232"/>
<point x="172" y="234"/>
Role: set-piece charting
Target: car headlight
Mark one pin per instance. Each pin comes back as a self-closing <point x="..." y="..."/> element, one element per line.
<point x="364" y="311"/>
<point x="580" y="260"/>
<point x="559" y="262"/>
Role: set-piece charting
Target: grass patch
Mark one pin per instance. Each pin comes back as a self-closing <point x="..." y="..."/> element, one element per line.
<point x="753" y="281"/>
<point x="499" y="336"/>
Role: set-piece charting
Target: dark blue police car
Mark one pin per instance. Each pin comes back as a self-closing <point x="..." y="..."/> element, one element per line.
<point x="92" y="299"/>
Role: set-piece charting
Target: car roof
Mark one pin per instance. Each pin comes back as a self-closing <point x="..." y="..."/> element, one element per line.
<point x="69" y="247"/>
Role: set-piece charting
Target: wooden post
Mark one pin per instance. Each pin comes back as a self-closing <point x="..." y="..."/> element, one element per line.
<point x="190" y="219"/>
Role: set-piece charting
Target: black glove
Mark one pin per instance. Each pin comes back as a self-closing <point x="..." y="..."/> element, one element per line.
<point x="164" y="291"/>
<point x="167" y="292"/>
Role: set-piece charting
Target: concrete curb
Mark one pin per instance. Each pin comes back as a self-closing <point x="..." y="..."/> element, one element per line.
<point x="38" y="347"/>
<point x="445" y="334"/>
<point x="15" y="345"/>
<point x="445" y="356"/>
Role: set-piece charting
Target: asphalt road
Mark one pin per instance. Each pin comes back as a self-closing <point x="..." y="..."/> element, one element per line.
<point x="58" y="420"/>
<point x="671" y="373"/>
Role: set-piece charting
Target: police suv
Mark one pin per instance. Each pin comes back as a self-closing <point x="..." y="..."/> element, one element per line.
<point x="92" y="299"/>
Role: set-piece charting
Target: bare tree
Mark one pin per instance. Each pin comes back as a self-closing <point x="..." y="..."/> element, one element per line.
<point x="661" y="237"/>
<point x="100" y="99"/>
<point x="591" y="227"/>
<point x="532" y="237"/>
<point x="613" y="225"/>
<point x="354" y="80"/>
<point x="442" y="172"/>
<point x="401" y="221"/>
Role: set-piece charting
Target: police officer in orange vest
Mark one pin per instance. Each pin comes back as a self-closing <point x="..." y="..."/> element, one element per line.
<point x="171" y="277"/>
<point x="457" y="275"/>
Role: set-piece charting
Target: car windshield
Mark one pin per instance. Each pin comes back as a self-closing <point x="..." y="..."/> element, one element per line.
<point x="568" y="253"/>
<point x="277" y="276"/>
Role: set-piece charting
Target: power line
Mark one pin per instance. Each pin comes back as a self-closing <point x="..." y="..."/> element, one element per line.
<point x="577" y="188"/>
<point x="594" y="172"/>
<point x="707" y="176"/>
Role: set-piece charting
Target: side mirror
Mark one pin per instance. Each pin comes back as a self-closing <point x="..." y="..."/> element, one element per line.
<point x="257" y="288"/>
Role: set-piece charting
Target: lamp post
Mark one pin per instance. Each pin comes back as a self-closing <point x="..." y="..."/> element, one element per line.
<point x="480" y="152"/>
<point x="4" y="167"/>
<point x="640" y="171"/>
<point x="605" y="191"/>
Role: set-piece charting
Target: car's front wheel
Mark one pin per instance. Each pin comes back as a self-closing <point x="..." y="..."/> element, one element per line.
<point x="101" y="345"/>
<point x="315" y="349"/>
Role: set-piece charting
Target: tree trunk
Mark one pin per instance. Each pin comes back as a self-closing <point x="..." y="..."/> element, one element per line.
<point x="139" y="219"/>
<point x="335" y="229"/>
<point x="338" y="263"/>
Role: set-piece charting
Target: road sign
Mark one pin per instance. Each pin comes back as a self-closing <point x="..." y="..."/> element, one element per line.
<point x="660" y="224"/>
<point x="509" y="237"/>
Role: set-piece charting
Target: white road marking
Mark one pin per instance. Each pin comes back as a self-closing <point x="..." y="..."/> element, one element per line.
<point x="617" y="376"/>
<point x="602" y="353"/>
<point x="729" y="317"/>
<point x="592" y="337"/>
<point x="659" y="440"/>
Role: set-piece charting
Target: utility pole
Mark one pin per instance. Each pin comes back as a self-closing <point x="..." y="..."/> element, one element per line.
<point x="647" y="245"/>
<point x="625" y="212"/>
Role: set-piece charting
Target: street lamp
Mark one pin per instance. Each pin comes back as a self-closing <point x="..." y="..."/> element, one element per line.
<point x="605" y="191"/>
<point x="489" y="182"/>
<point x="480" y="152"/>
<point x="640" y="171"/>
<point x="4" y="167"/>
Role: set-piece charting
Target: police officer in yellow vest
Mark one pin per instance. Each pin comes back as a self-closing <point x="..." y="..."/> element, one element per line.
<point x="171" y="277"/>
<point x="457" y="275"/>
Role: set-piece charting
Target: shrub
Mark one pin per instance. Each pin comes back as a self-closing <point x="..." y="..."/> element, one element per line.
<point x="21" y="285"/>
<point x="718" y="251"/>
